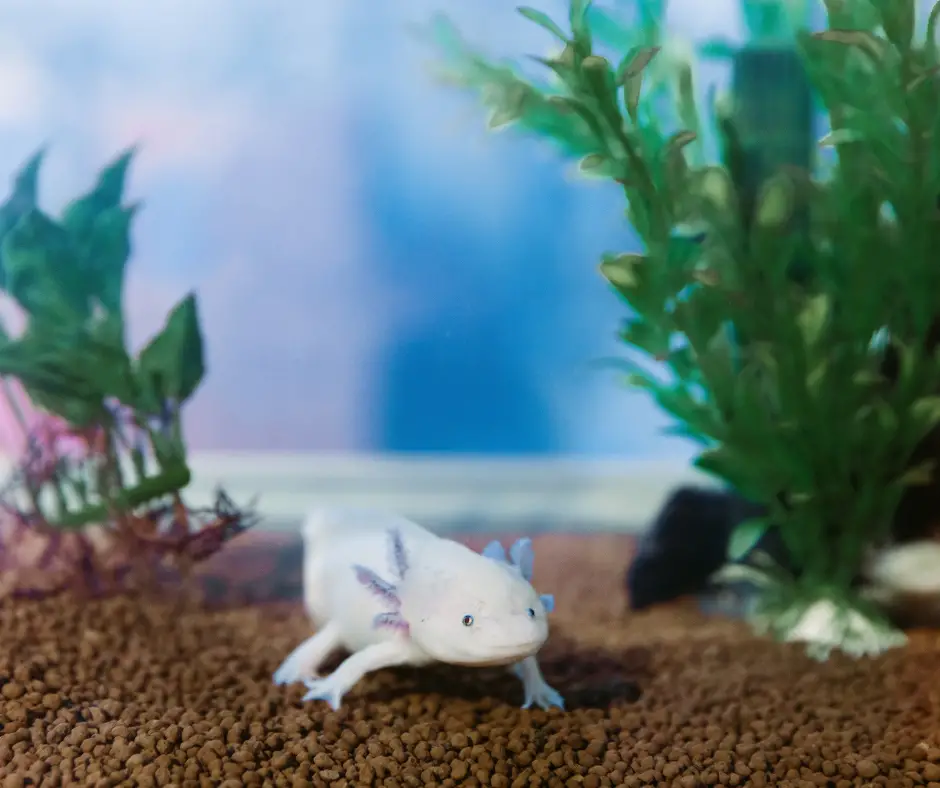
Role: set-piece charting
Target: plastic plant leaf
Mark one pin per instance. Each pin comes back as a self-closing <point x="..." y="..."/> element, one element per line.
<point x="597" y="166"/>
<point x="918" y="475"/>
<point x="110" y="366"/>
<point x="677" y="142"/>
<point x="632" y="88"/>
<point x="840" y="137"/>
<point x="544" y="21"/>
<point x="775" y="203"/>
<point x="898" y="20"/>
<point x="816" y="377"/>
<point x="714" y="186"/>
<point x="926" y="412"/>
<point x="624" y="271"/>
<point x="746" y="536"/>
<point x="734" y="467"/>
<point x="702" y="316"/>
<point x="54" y="380"/>
<point x="42" y="274"/>
<point x="932" y="19"/>
<point x="22" y="199"/>
<point x="872" y="45"/>
<point x="107" y="252"/>
<point x="698" y="417"/>
<point x="717" y="363"/>
<point x="578" y="11"/>
<point x="636" y="62"/>
<point x="638" y="281"/>
<point x="171" y="366"/>
<point x="79" y="216"/>
<point x="648" y="337"/>
<point x="731" y="574"/>
<point x="812" y="318"/>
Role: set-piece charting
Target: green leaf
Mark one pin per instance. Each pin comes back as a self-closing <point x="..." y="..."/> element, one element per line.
<point x="595" y="165"/>
<point x="171" y="366"/>
<point x="636" y="62"/>
<point x="816" y="377"/>
<point x="738" y="469"/>
<point x="840" y="137"/>
<point x="873" y="46"/>
<point x="41" y="268"/>
<point x="77" y="412"/>
<point x="775" y="203"/>
<point x="731" y="574"/>
<point x="21" y="200"/>
<point x="106" y="254"/>
<point x="868" y="377"/>
<point x="543" y="20"/>
<point x="932" y="18"/>
<point x="926" y="411"/>
<point x="632" y="88"/>
<point x="648" y="337"/>
<point x="898" y="20"/>
<point x="110" y="366"/>
<point x="623" y="270"/>
<point x="714" y="186"/>
<point x="580" y="29"/>
<point x="79" y="216"/>
<point x="511" y="105"/>
<point x="918" y="475"/>
<point x="54" y="377"/>
<point x="678" y="141"/>
<point x="745" y="537"/>
<point x="812" y="319"/>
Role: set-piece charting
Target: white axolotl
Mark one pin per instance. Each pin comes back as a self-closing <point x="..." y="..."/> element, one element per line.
<point x="392" y="593"/>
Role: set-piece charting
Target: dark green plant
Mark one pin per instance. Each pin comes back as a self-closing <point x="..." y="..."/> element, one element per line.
<point x="801" y="416"/>
<point x="67" y="273"/>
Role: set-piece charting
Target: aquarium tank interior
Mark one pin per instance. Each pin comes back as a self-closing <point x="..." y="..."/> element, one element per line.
<point x="470" y="394"/>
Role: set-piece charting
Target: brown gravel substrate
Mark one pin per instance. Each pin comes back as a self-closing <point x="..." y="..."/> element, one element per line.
<point x="146" y="693"/>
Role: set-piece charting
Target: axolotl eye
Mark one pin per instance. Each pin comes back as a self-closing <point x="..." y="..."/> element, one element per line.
<point x="531" y="612"/>
<point x="467" y="620"/>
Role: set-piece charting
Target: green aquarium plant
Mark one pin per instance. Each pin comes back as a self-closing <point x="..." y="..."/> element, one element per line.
<point x="104" y="444"/>
<point x="808" y="394"/>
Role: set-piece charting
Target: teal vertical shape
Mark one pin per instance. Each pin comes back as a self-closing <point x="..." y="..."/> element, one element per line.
<point x="774" y="112"/>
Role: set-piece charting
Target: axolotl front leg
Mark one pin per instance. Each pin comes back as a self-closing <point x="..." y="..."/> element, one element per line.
<point x="332" y="688"/>
<point x="384" y="654"/>
<point x="536" y="691"/>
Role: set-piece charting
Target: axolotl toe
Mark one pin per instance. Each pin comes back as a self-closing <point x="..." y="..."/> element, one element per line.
<point x="392" y="593"/>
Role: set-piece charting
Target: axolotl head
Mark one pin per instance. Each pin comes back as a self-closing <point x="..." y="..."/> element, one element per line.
<point x="468" y="608"/>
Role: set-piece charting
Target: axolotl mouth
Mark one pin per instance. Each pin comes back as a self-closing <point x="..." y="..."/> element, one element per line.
<point x="495" y="657"/>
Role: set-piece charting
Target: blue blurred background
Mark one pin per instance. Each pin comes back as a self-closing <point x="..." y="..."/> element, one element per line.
<point x="376" y="271"/>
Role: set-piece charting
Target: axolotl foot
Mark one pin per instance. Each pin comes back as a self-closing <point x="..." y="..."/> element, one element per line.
<point x="536" y="691"/>
<point x="324" y="689"/>
<point x="544" y="697"/>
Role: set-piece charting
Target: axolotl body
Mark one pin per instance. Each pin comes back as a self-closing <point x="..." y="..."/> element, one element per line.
<point x="391" y="593"/>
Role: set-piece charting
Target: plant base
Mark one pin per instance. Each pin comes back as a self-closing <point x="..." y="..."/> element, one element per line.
<point x="824" y="622"/>
<point x="136" y="550"/>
